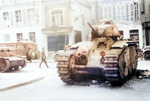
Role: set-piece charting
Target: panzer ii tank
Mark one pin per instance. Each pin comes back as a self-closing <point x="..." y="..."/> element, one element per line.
<point x="105" y="56"/>
<point x="9" y="60"/>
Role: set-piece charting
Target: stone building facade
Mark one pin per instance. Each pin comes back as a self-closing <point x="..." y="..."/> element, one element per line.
<point x="50" y="23"/>
<point x="19" y="20"/>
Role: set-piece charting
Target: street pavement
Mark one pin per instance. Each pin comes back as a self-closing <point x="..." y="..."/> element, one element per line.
<point x="13" y="79"/>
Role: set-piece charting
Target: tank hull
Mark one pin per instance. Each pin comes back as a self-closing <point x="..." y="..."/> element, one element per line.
<point x="12" y="63"/>
<point x="120" y="62"/>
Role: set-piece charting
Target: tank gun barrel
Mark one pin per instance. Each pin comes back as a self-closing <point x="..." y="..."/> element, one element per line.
<point x="90" y="26"/>
<point x="94" y="33"/>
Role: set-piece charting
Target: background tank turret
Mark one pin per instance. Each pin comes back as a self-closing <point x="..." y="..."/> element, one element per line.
<point x="104" y="56"/>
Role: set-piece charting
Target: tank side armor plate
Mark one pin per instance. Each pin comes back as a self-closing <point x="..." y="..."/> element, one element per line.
<point x="119" y="44"/>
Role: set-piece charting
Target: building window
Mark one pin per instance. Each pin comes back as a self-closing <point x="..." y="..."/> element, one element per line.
<point x="19" y="36"/>
<point x="137" y="18"/>
<point x="142" y="6"/>
<point x="108" y="12"/>
<point x="57" y="18"/>
<point x="6" y="19"/>
<point x="121" y="12"/>
<point x="31" y="17"/>
<point x="6" y="2"/>
<point x="6" y="16"/>
<point x="32" y="36"/>
<point x="18" y="16"/>
<point x="132" y="15"/>
<point x="118" y="12"/>
<point x="6" y="37"/>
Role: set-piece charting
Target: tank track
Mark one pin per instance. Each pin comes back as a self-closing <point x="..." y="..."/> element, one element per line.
<point x="63" y="68"/>
<point x="110" y="69"/>
<point x="112" y="73"/>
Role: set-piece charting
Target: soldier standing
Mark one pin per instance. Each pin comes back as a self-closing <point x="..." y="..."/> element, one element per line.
<point x="43" y="58"/>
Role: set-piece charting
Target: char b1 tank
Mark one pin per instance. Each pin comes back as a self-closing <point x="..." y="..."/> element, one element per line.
<point x="10" y="61"/>
<point x="106" y="55"/>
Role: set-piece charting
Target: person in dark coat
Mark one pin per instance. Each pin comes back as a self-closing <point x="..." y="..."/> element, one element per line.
<point x="43" y="58"/>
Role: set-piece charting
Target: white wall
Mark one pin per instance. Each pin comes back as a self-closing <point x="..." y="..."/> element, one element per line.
<point x="23" y="27"/>
<point x="80" y="13"/>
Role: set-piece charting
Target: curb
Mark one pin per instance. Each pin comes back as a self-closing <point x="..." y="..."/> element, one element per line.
<point x="21" y="84"/>
<point x="38" y="61"/>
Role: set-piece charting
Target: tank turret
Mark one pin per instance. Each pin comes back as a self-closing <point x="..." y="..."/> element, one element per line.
<point x="106" y="28"/>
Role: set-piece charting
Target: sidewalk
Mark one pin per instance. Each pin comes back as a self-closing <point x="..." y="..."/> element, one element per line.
<point x="13" y="79"/>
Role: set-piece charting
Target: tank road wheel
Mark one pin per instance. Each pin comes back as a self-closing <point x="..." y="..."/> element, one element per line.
<point x="63" y="69"/>
<point x="4" y="65"/>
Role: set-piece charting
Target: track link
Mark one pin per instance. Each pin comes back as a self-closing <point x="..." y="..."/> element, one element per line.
<point x="111" y="69"/>
<point x="63" y="68"/>
<point x="112" y="73"/>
